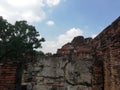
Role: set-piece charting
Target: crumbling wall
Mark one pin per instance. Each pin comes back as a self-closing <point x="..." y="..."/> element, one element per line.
<point x="79" y="47"/>
<point x="59" y="74"/>
<point x="76" y="74"/>
<point x="9" y="80"/>
<point x="107" y="48"/>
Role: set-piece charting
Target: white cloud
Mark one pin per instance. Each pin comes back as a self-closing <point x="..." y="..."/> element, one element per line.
<point x="52" y="46"/>
<point x="69" y="35"/>
<point x="22" y="3"/>
<point x="93" y="36"/>
<point x="50" y="23"/>
<point x="30" y="10"/>
<point x="52" y="2"/>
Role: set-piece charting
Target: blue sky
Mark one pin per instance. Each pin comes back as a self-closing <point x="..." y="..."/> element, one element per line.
<point x="59" y="21"/>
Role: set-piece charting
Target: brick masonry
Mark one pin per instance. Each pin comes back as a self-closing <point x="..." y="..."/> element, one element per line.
<point x="9" y="78"/>
<point x="107" y="48"/>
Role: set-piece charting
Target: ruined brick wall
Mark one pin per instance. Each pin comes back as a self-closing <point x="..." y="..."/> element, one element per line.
<point x="79" y="47"/>
<point x="8" y="78"/>
<point x="59" y="74"/>
<point x="106" y="54"/>
<point x="107" y="48"/>
<point x="99" y="71"/>
<point x="90" y="65"/>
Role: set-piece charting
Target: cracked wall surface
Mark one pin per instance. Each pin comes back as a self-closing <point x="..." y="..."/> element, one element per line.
<point x="60" y="74"/>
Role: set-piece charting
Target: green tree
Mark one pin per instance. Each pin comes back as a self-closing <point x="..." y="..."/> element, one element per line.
<point x="18" y="41"/>
<point x="40" y="53"/>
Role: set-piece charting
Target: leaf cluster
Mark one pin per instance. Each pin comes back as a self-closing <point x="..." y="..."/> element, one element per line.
<point x="18" y="41"/>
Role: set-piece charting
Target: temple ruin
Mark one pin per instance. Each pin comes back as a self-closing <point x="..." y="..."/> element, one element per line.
<point x="82" y="64"/>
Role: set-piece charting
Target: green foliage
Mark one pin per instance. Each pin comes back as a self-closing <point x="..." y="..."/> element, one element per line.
<point x="40" y="53"/>
<point x="18" y="40"/>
